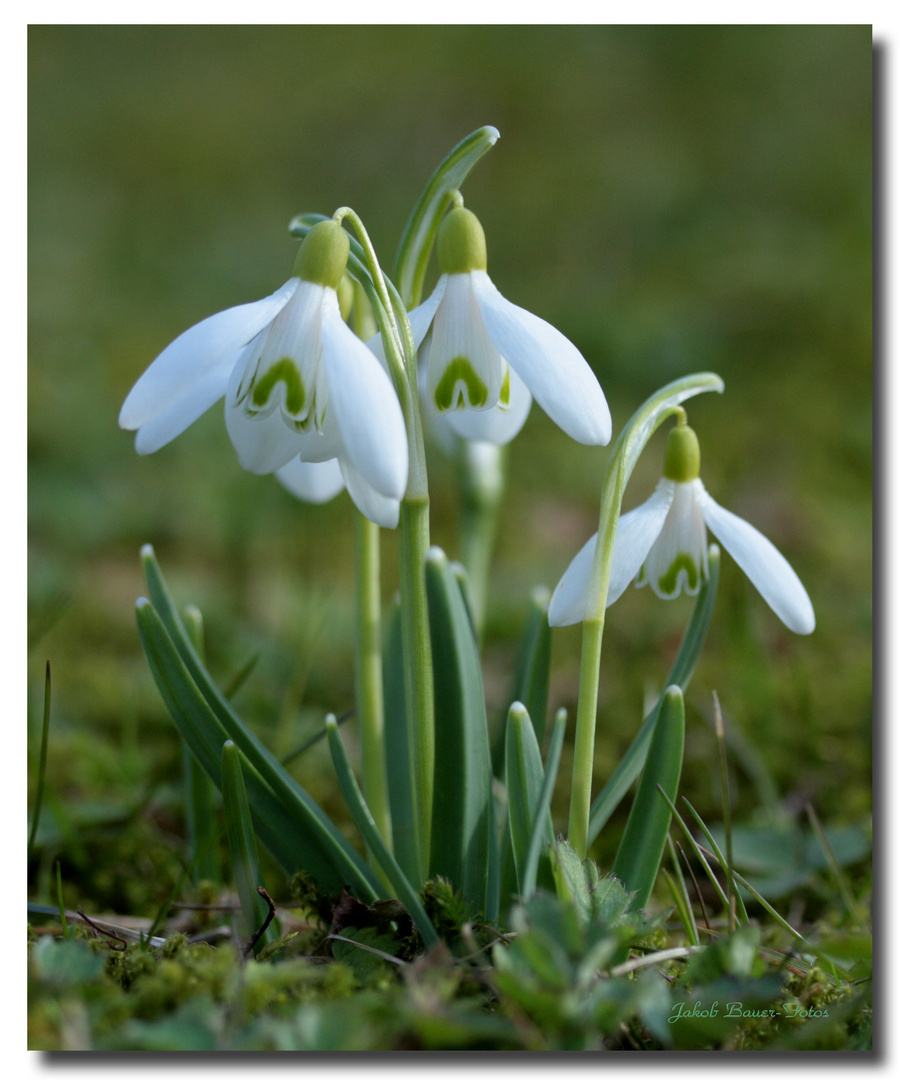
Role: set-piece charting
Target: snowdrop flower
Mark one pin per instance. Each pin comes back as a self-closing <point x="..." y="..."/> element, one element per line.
<point x="663" y="543"/>
<point x="298" y="384"/>
<point x="484" y="357"/>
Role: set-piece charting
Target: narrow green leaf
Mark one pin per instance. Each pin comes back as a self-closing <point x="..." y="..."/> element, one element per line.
<point x="631" y="764"/>
<point x="290" y="824"/>
<point x="536" y="846"/>
<point x="531" y="682"/>
<point x="524" y="780"/>
<point x="460" y="836"/>
<point x="242" y="846"/>
<point x="640" y="852"/>
<point x="199" y="790"/>
<point x="285" y="788"/>
<point x="681" y="895"/>
<point x="723" y="861"/>
<point x="59" y="901"/>
<point x="356" y="804"/>
<point x="421" y="229"/>
<point x="42" y="765"/>
<point x="697" y="850"/>
<point x="495" y="867"/>
<point x="398" y="752"/>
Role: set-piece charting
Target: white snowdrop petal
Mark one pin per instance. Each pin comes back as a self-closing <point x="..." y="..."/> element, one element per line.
<point x="421" y="317"/>
<point x="677" y="560"/>
<point x="465" y="368"/>
<point x="312" y="481"/>
<point x="286" y="374"/>
<point x="193" y="354"/>
<point x="318" y="446"/>
<point x="497" y="425"/>
<point x="381" y="509"/>
<point x="263" y="443"/>
<point x="366" y="410"/>
<point x="190" y="407"/>
<point x="567" y="604"/>
<point x="764" y="564"/>
<point x="635" y="535"/>
<point x="554" y="371"/>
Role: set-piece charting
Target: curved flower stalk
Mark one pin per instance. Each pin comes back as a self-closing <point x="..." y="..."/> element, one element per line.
<point x="663" y="543"/>
<point x="297" y="381"/>
<point x="485" y="358"/>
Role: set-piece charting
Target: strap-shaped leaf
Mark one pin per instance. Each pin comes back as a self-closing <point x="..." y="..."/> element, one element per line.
<point x="531" y="683"/>
<point x="421" y="229"/>
<point x="631" y="764"/>
<point x="460" y="835"/>
<point x="537" y="846"/>
<point x="524" y="780"/>
<point x="406" y="894"/>
<point x="242" y="846"/>
<point x="640" y="851"/>
<point x="288" y="821"/>
<point x="398" y="753"/>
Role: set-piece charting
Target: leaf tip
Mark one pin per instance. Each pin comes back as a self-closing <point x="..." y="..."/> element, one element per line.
<point x="435" y="556"/>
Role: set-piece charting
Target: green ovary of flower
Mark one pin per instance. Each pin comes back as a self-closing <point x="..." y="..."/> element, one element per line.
<point x="669" y="581"/>
<point x="448" y="393"/>
<point x="283" y="371"/>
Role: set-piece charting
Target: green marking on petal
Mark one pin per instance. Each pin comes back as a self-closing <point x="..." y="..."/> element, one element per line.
<point x="284" y="371"/>
<point x="448" y="394"/>
<point x="669" y="579"/>
<point x="504" y="389"/>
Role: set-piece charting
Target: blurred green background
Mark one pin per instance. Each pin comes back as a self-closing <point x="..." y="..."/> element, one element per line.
<point x="673" y="199"/>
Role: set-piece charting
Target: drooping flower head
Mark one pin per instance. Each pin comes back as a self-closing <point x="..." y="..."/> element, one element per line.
<point x="484" y="357"/>
<point x="663" y="543"/>
<point x="298" y="384"/>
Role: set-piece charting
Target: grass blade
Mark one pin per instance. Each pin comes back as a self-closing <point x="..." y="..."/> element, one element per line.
<point x="461" y="815"/>
<point x="640" y="852"/>
<point x="723" y="862"/>
<point x="631" y="764"/>
<point x="406" y="894"/>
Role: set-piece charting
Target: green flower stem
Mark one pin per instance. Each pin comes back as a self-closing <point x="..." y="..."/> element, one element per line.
<point x="418" y="673"/>
<point x="482" y="480"/>
<point x="585" y="730"/>
<point x="414" y="535"/>
<point x="631" y="442"/>
<point x="369" y="690"/>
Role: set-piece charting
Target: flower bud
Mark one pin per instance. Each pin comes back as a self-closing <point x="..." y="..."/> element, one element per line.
<point x="682" y="461"/>
<point x="322" y="258"/>
<point x="461" y="247"/>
